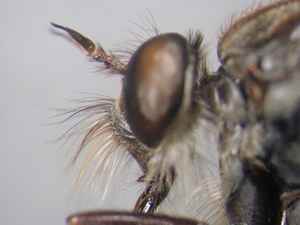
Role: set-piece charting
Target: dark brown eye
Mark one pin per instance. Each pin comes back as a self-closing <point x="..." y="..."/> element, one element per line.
<point x="154" y="85"/>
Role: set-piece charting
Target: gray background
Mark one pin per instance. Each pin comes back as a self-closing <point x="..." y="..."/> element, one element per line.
<point x="40" y="70"/>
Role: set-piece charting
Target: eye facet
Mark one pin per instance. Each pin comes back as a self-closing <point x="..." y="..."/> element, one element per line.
<point x="153" y="86"/>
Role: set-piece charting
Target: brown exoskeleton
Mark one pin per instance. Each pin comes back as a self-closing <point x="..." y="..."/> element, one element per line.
<point x="253" y="101"/>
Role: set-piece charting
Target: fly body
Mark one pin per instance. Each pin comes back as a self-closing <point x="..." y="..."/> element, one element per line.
<point x="251" y="102"/>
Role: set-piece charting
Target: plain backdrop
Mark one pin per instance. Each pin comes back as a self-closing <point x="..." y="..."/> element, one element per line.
<point x="40" y="70"/>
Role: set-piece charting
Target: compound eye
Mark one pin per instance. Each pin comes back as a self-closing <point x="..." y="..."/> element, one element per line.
<point x="153" y="86"/>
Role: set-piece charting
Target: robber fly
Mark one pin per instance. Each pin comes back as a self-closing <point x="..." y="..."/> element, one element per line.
<point x="252" y="101"/>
